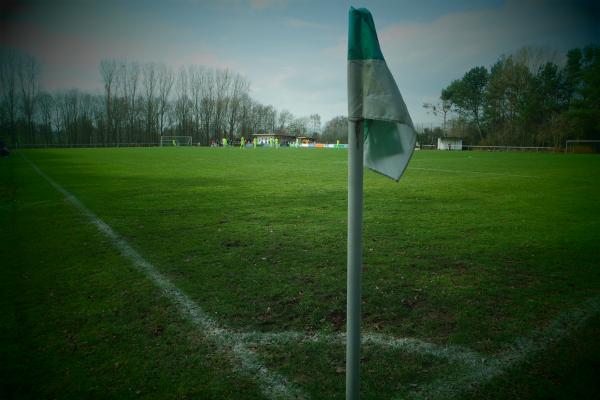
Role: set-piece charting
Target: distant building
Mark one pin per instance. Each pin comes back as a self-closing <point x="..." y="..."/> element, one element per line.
<point x="447" y="143"/>
<point x="267" y="138"/>
<point x="305" y="140"/>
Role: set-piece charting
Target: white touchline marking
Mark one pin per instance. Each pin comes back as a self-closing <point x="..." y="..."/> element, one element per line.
<point x="273" y="385"/>
<point x="462" y="381"/>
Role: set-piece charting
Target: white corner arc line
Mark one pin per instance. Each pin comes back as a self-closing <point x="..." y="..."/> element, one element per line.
<point x="273" y="385"/>
<point x="410" y="345"/>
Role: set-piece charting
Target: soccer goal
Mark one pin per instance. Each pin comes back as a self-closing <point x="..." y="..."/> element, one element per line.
<point x="582" y="146"/>
<point x="175" y="141"/>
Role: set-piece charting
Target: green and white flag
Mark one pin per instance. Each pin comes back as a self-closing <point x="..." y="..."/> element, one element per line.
<point x="374" y="97"/>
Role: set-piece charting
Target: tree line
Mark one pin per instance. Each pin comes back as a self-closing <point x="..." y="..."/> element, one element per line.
<point x="524" y="100"/>
<point x="139" y="103"/>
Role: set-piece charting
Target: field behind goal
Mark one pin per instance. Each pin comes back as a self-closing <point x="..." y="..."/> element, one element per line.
<point x="220" y="273"/>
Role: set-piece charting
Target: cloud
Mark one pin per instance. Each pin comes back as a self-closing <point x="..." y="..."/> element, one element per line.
<point x="261" y="4"/>
<point x="304" y="24"/>
<point x="204" y="59"/>
<point x="294" y="54"/>
<point x="317" y="85"/>
<point x="425" y="57"/>
<point x="67" y="60"/>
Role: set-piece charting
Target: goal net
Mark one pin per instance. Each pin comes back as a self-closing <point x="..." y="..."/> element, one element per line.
<point x="582" y="146"/>
<point x="175" y="141"/>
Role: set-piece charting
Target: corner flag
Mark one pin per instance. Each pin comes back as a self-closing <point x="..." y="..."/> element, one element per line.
<point x="373" y="96"/>
<point x="380" y="136"/>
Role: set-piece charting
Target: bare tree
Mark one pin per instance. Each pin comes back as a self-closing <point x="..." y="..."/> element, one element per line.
<point x="130" y="76"/>
<point x="245" y="115"/>
<point x="222" y="82"/>
<point x="285" y="119"/>
<point x="441" y="108"/>
<point x="96" y="118"/>
<point x="45" y="106"/>
<point x="254" y="117"/>
<point x="56" y="115"/>
<point x="8" y="92"/>
<point x="335" y="129"/>
<point x="139" y="103"/>
<point x="149" y="84"/>
<point x="182" y="103"/>
<point x="299" y="126"/>
<point x="314" y="124"/>
<point x="28" y="73"/>
<point x="108" y="70"/>
<point x="84" y="128"/>
<point x="165" y="84"/>
<point x="270" y="118"/>
<point x="196" y="81"/>
<point x="67" y="113"/>
<point x="240" y="87"/>
<point x="207" y="105"/>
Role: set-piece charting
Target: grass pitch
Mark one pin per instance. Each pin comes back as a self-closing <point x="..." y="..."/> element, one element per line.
<point x="482" y="252"/>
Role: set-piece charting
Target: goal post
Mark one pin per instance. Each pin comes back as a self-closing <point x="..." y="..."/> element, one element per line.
<point x="172" y="141"/>
<point x="582" y="146"/>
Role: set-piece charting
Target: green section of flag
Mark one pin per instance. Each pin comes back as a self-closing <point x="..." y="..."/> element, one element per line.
<point x="388" y="147"/>
<point x="374" y="98"/>
<point x="362" y="37"/>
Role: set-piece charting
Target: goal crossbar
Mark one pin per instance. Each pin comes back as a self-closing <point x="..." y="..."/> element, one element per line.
<point x="593" y="143"/>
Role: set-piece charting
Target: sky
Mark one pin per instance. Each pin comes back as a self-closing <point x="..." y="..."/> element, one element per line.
<point x="293" y="52"/>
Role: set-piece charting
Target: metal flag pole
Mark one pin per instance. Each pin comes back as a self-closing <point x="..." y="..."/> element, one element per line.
<point x="354" y="255"/>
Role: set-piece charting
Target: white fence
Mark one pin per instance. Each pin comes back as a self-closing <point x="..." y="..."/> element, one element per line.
<point x="82" y="145"/>
<point x="495" y="148"/>
<point x="510" y="148"/>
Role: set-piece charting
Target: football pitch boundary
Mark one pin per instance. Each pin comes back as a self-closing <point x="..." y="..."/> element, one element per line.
<point x="478" y="368"/>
